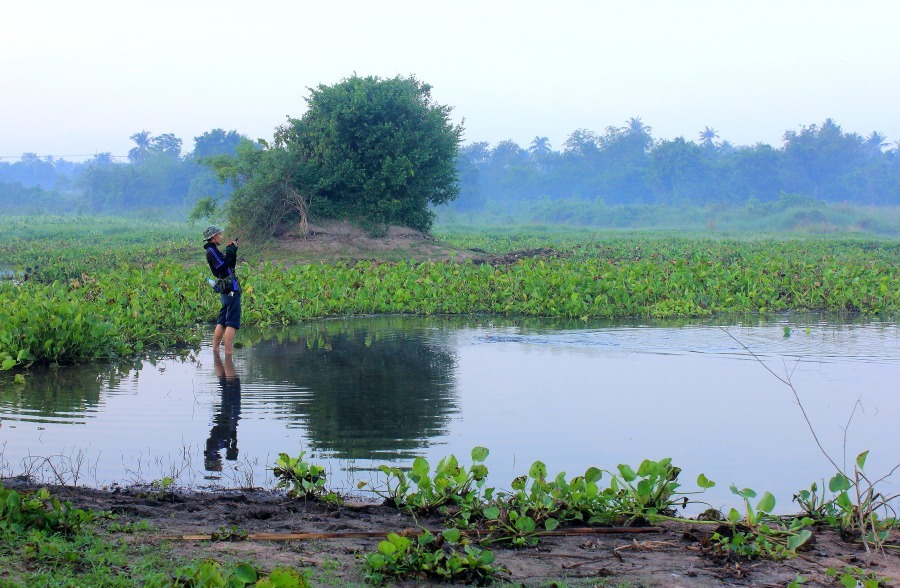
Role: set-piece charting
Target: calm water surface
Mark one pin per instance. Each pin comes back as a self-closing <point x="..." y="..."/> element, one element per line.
<point x="357" y="393"/>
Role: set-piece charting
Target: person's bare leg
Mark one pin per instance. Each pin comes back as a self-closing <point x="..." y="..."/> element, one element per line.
<point x="217" y="337"/>
<point x="217" y="364"/>
<point x="229" y="340"/>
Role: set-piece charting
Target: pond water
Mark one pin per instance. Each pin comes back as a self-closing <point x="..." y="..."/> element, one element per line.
<point x="356" y="393"/>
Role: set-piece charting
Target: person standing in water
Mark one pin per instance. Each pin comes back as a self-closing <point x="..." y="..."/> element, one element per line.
<point x="222" y="266"/>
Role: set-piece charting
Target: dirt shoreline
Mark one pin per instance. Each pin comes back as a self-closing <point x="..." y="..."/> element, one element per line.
<point x="671" y="558"/>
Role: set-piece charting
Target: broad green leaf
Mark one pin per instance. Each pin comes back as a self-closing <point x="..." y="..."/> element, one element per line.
<point x="480" y="453"/>
<point x="799" y="539"/>
<point x="386" y="547"/>
<point x="420" y="466"/>
<point x="551" y="524"/>
<point x="648" y="467"/>
<point x="766" y="503"/>
<point x="704" y="482"/>
<point x="525" y="524"/>
<point x="745" y="493"/>
<point x="287" y="578"/>
<point x="861" y="459"/>
<point x="491" y="513"/>
<point x="538" y="470"/>
<point x="592" y="475"/>
<point x="839" y="483"/>
<point x="245" y="573"/>
<point x="627" y="473"/>
<point x="451" y="535"/>
<point x="479" y="472"/>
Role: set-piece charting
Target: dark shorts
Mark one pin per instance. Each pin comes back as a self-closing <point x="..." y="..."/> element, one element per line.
<point x="230" y="314"/>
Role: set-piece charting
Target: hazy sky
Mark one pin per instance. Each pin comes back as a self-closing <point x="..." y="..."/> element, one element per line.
<point x="80" y="77"/>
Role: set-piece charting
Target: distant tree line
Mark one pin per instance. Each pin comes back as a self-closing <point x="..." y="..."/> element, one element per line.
<point x="156" y="176"/>
<point x="627" y="166"/>
<point x="623" y="166"/>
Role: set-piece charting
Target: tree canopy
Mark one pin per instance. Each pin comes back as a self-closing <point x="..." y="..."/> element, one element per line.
<point x="373" y="150"/>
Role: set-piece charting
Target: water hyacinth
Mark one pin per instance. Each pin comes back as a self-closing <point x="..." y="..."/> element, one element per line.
<point x="121" y="292"/>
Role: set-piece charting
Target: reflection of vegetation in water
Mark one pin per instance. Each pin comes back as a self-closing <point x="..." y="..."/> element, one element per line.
<point x="65" y="392"/>
<point x="371" y="389"/>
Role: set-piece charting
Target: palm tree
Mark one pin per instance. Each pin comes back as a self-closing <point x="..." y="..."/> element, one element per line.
<point x="540" y="146"/>
<point x="104" y="159"/>
<point x="635" y="126"/>
<point x="638" y="133"/>
<point x="875" y="142"/>
<point x="708" y="135"/>
<point x="137" y="154"/>
<point x="540" y="153"/>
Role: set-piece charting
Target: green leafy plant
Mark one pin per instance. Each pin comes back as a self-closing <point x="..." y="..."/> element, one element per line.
<point x="446" y="556"/>
<point x="232" y="533"/>
<point x="211" y="574"/>
<point x="756" y="533"/>
<point x="854" y="577"/>
<point x="21" y="512"/>
<point x="161" y="489"/>
<point x="422" y="490"/>
<point x="652" y="489"/>
<point x="301" y="478"/>
<point x="858" y="510"/>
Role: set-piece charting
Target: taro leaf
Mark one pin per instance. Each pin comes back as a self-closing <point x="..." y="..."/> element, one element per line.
<point x="627" y="473"/>
<point x="704" y="482"/>
<point x="592" y="475"/>
<point x="245" y="573"/>
<point x="839" y="483"/>
<point x="799" y="539"/>
<point x="766" y="503"/>
<point x="538" y="470"/>
<point x="861" y="459"/>
<point x="480" y="453"/>
<point x="491" y="513"/>
<point x="451" y="535"/>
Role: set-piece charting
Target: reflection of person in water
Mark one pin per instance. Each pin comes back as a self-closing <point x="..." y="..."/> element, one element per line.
<point x="223" y="434"/>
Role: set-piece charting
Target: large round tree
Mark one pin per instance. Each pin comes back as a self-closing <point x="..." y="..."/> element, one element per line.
<point x="367" y="149"/>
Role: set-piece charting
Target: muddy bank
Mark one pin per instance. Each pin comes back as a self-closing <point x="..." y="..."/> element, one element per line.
<point x="672" y="555"/>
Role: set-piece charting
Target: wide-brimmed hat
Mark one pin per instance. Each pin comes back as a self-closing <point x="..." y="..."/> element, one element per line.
<point x="210" y="232"/>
